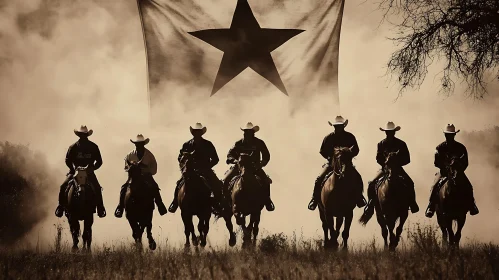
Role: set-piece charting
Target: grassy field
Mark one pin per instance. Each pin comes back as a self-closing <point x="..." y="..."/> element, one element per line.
<point x="275" y="257"/>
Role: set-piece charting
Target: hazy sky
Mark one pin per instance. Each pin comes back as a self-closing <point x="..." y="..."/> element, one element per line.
<point x="63" y="65"/>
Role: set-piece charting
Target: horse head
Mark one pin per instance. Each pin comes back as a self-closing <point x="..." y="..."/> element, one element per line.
<point x="187" y="163"/>
<point x="341" y="155"/>
<point x="81" y="175"/>
<point x="246" y="164"/>
<point x="133" y="169"/>
<point x="451" y="166"/>
<point x="390" y="160"/>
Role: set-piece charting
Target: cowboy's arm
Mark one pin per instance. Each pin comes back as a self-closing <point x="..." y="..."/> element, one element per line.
<point x="404" y="156"/>
<point x="153" y="164"/>
<point x="463" y="162"/>
<point x="380" y="159"/>
<point x="98" y="158"/>
<point x="355" y="149"/>
<point x="213" y="155"/>
<point x="232" y="155"/>
<point x="182" y="150"/>
<point x="265" y="153"/>
<point x="326" y="147"/>
<point x="69" y="159"/>
<point x="438" y="159"/>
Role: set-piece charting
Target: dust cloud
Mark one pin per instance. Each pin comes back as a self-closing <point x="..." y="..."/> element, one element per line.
<point x="63" y="65"/>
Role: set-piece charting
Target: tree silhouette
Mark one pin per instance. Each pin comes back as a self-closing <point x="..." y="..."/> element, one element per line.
<point x="462" y="33"/>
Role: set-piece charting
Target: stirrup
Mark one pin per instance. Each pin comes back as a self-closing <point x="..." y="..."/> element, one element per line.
<point x="312" y="204"/>
<point x="59" y="211"/>
<point x="429" y="212"/>
<point x="118" y="213"/>
<point x="270" y="206"/>
<point x="173" y="207"/>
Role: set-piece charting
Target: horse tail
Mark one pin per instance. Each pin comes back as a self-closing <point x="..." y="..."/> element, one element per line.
<point x="366" y="216"/>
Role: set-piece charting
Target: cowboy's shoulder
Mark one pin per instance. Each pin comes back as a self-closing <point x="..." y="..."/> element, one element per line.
<point x="460" y="145"/>
<point x="442" y="145"/>
<point x="207" y="142"/>
<point x="259" y="141"/>
<point x="239" y="142"/>
<point x="349" y="135"/>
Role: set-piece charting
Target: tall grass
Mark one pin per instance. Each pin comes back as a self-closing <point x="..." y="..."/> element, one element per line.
<point x="276" y="256"/>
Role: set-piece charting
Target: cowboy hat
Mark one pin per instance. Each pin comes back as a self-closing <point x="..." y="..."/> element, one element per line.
<point x="139" y="139"/>
<point x="250" y="126"/>
<point x="339" y="120"/>
<point x="390" y="126"/>
<point x="199" y="126"/>
<point x="451" y="129"/>
<point x="83" y="131"/>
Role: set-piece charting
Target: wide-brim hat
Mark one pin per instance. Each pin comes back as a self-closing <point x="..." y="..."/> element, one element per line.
<point x="83" y="130"/>
<point x="451" y="129"/>
<point x="250" y="126"/>
<point x="198" y="126"/>
<point x="140" y="139"/>
<point x="339" y="120"/>
<point x="390" y="126"/>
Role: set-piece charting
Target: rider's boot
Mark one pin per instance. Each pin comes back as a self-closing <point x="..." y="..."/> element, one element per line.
<point x="473" y="208"/>
<point x="371" y="192"/>
<point x="159" y="203"/>
<point x="173" y="207"/>
<point x="101" y="211"/>
<point x="59" y="211"/>
<point x="430" y="210"/>
<point x="121" y="205"/>
<point x="316" y="195"/>
<point x="269" y="205"/>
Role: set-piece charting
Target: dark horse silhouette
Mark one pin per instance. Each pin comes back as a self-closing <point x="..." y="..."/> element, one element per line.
<point x="391" y="203"/>
<point x="452" y="204"/>
<point x="194" y="200"/>
<point x="81" y="207"/>
<point x="248" y="198"/>
<point x="337" y="200"/>
<point x="139" y="206"/>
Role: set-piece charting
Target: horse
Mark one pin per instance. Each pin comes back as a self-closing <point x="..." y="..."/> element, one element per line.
<point x="337" y="200"/>
<point x="247" y="198"/>
<point x="451" y="204"/>
<point x="139" y="206"/>
<point x="391" y="203"/>
<point x="194" y="200"/>
<point x="80" y="207"/>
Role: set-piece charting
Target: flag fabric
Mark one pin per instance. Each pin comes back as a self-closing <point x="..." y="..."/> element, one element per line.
<point x="182" y="57"/>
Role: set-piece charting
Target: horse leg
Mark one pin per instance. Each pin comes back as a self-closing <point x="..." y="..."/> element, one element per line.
<point x="339" y="224"/>
<point x="400" y="227"/>
<point x="443" y="228"/>
<point x="325" y="229"/>
<point x="384" y="229"/>
<point x="203" y="227"/>
<point x="460" y="225"/>
<point x="333" y="235"/>
<point x="188" y="230"/>
<point x="87" y="231"/>
<point x="150" y="239"/>
<point x="256" y="222"/>
<point x="230" y="228"/>
<point x="450" y="231"/>
<point x="391" y="226"/>
<point x="74" y="226"/>
<point x="346" y="231"/>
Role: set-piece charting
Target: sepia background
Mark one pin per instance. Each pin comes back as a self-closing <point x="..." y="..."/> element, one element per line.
<point x="63" y="65"/>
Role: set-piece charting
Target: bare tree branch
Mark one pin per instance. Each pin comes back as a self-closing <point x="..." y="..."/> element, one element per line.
<point x="463" y="33"/>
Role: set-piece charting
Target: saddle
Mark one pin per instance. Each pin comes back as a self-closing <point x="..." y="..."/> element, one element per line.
<point x="385" y="177"/>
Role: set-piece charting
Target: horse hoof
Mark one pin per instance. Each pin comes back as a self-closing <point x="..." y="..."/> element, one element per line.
<point x="152" y="245"/>
<point x="203" y="243"/>
<point x="74" y="249"/>
<point x="187" y="245"/>
<point x="195" y="242"/>
<point x="232" y="241"/>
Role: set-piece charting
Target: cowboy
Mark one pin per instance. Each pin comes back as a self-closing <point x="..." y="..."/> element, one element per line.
<point x="148" y="167"/>
<point x="206" y="157"/>
<point x="255" y="147"/>
<point x="392" y="144"/>
<point x="450" y="148"/>
<point x="337" y="139"/>
<point x="82" y="153"/>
